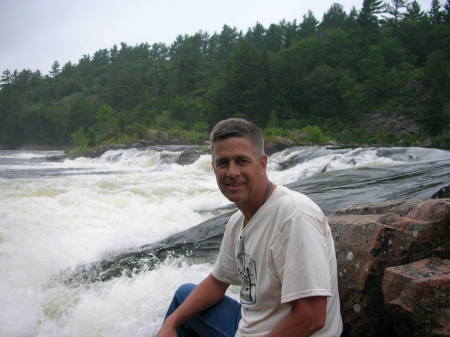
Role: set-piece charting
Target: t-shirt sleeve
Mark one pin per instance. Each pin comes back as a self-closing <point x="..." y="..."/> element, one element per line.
<point x="300" y="259"/>
<point x="225" y="268"/>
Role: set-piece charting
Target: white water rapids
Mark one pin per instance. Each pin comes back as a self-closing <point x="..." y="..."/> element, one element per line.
<point x="57" y="215"/>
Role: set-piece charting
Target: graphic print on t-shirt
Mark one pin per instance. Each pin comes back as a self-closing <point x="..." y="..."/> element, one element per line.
<point x="247" y="272"/>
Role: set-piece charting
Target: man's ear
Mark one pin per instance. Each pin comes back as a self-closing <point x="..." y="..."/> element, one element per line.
<point x="212" y="159"/>
<point x="264" y="160"/>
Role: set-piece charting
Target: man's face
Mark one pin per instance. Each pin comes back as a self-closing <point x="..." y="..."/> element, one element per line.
<point x="240" y="172"/>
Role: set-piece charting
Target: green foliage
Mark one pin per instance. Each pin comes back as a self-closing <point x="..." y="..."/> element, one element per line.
<point x="186" y="109"/>
<point x="273" y="121"/>
<point x="200" y="127"/>
<point x="442" y="141"/>
<point x="306" y="135"/>
<point x="81" y="141"/>
<point x="292" y="124"/>
<point x="106" y="121"/>
<point x="165" y="122"/>
<point x="369" y="11"/>
<point x="91" y="137"/>
<point x="138" y="131"/>
<point x="193" y="137"/>
<point x="437" y="70"/>
<point x="283" y="77"/>
<point x="312" y="133"/>
<point x="394" y="8"/>
<point x="269" y="133"/>
<point x="79" y="138"/>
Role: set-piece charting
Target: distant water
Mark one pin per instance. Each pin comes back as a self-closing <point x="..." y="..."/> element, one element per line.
<point x="57" y="215"/>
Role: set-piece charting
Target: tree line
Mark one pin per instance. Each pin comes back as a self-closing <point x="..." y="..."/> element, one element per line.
<point x="392" y="58"/>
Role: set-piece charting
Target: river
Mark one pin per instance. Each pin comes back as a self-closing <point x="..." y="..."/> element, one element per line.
<point x="57" y="215"/>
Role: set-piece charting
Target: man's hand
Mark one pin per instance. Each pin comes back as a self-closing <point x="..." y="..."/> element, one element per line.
<point x="167" y="331"/>
<point x="306" y="317"/>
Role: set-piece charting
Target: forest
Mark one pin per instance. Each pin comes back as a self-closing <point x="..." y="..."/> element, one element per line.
<point x="338" y="76"/>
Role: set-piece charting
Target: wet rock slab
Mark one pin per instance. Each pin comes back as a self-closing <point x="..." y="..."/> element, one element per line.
<point x="444" y="192"/>
<point x="200" y="243"/>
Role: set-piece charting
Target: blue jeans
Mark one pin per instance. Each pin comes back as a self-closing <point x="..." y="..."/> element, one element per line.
<point x="221" y="320"/>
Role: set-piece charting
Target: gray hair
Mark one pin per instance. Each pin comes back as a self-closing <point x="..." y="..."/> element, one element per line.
<point x="238" y="127"/>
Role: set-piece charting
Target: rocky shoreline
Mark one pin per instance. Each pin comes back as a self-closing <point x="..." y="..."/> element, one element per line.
<point x="270" y="148"/>
<point x="163" y="138"/>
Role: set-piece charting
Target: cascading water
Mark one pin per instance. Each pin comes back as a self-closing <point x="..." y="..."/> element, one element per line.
<point x="55" y="216"/>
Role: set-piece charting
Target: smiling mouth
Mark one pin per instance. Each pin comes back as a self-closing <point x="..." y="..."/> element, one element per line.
<point x="234" y="185"/>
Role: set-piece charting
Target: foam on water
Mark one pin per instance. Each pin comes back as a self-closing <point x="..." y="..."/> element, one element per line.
<point x="28" y="154"/>
<point x="120" y="307"/>
<point x="334" y="161"/>
<point x="126" y="158"/>
<point x="121" y="200"/>
<point x="49" y="225"/>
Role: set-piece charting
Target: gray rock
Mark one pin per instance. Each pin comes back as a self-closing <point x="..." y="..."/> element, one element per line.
<point x="444" y="192"/>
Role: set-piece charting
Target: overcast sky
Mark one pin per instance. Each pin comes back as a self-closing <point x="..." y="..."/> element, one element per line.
<point x="35" y="33"/>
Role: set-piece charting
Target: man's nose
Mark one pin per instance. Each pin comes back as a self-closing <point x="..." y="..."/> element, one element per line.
<point x="233" y="170"/>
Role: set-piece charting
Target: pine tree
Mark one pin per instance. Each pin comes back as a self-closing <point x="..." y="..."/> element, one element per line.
<point x="413" y="11"/>
<point x="309" y="25"/>
<point x="6" y="78"/>
<point x="369" y="11"/>
<point x="435" y="13"/>
<point x="447" y="12"/>
<point x="335" y="17"/>
<point x="394" y="8"/>
<point x="55" y="70"/>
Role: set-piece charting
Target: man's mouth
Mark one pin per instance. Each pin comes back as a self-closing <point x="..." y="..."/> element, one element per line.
<point x="234" y="185"/>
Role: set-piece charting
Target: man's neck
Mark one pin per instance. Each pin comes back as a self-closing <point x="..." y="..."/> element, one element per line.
<point x="250" y="209"/>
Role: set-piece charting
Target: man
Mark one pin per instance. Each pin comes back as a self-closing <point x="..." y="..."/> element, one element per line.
<point x="277" y="247"/>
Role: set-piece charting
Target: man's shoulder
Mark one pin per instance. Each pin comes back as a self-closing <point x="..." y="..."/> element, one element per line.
<point x="291" y="201"/>
<point x="286" y="196"/>
<point x="234" y="220"/>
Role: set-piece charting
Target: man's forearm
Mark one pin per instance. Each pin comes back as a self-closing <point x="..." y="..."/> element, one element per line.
<point x="207" y="293"/>
<point x="306" y="317"/>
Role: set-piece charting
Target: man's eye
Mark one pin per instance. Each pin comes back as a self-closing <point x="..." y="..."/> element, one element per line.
<point x="221" y="163"/>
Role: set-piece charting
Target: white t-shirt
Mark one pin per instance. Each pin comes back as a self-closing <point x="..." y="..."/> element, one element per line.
<point x="285" y="252"/>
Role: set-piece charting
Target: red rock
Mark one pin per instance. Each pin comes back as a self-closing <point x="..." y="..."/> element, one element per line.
<point x="417" y="295"/>
<point x="373" y="236"/>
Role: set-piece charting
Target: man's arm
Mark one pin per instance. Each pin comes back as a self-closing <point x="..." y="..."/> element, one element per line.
<point x="306" y="317"/>
<point x="207" y="293"/>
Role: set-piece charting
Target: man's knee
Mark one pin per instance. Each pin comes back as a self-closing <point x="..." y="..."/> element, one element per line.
<point x="180" y="295"/>
<point x="184" y="290"/>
